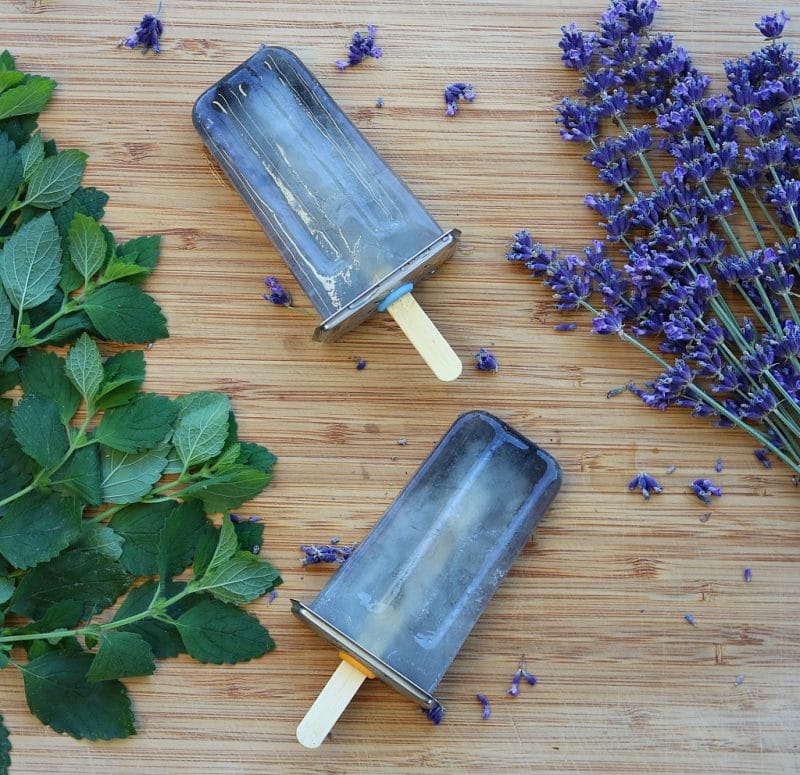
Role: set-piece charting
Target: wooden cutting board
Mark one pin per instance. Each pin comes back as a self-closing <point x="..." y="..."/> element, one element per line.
<point x="597" y="601"/>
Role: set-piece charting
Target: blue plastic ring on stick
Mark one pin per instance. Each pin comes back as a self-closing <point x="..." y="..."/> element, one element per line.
<point x="394" y="296"/>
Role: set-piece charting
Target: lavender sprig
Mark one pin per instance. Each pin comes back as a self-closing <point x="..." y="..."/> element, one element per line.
<point x="322" y="553"/>
<point x="147" y="33"/>
<point x="361" y="46"/>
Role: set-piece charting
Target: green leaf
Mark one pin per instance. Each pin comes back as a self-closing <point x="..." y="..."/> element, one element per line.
<point x="37" y="526"/>
<point x="182" y="531"/>
<point x="87" y="246"/>
<point x="118" y="270"/>
<point x="29" y="97"/>
<point x="31" y="154"/>
<point x="7" y="61"/>
<point x="91" y="201"/>
<point x="124" y="374"/>
<point x="202" y="427"/>
<point x="5" y="748"/>
<point x="54" y="180"/>
<point x="38" y="430"/>
<point x="10" y="170"/>
<point x="249" y="535"/>
<point x="121" y="655"/>
<point x="206" y="547"/>
<point x="9" y="373"/>
<point x="125" y="313"/>
<point x="81" y="475"/>
<point x="44" y="374"/>
<point x="60" y="695"/>
<point x="19" y="128"/>
<point x="90" y="577"/>
<point x="229" y="489"/>
<point x="63" y="615"/>
<point x="140" y="526"/>
<point x="141" y="424"/>
<point x="145" y="250"/>
<point x="218" y="632"/>
<point x="16" y="468"/>
<point x="85" y="367"/>
<point x="161" y="636"/>
<point x="6" y="589"/>
<point x="69" y="327"/>
<point x="31" y="262"/>
<point x="9" y="78"/>
<point x="240" y="579"/>
<point x="256" y="456"/>
<point x="227" y="545"/>
<point x="129" y="476"/>
<point x="6" y="325"/>
<point x="100" y="539"/>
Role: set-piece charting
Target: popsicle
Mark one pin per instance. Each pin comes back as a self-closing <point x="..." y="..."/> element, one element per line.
<point x="352" y="233"/>
<point x="402" y="605"/>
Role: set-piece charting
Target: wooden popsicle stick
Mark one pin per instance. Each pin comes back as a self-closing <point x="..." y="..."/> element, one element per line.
<point x="426" y="338"/>
<point x="330" y="703"/>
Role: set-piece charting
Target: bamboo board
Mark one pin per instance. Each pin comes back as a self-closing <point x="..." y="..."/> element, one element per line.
<point x="596" y="602"/>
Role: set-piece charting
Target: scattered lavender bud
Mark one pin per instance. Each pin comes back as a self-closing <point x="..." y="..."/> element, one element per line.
<point x="738" y="680"/>
<point x="485" y="361"/>
<point x="704" y="489"/>
<point x="529" y="677"/>
<point x="454" y="92"/>
<point x="615" y="392"/>
<point x="361" y="47"/>
<point x="761" y="456"/>
<point x="518" y="676"/>
<point x="514" y="690"/>
<point x="361" y="364"/>
<point x="315" y="553"/>
<point x="334" y="540"/>
<point x="689" y="618"/>
<point x="646" y="483"/>
<point x="435" y="714"/>
<point x="254" y="519"/>
<point x="146" y="34"/>
<point x="272" y="595"/>
<point x="379" y="103"/>
<point x="402" y="442"/>
<point x="748" y="575"/>
<point x="277" y="294"/>
<point x="567" y="327"/>
<point x="718" y="465"/>
<point x="484" y="700"/>
<point x="235" y="518"/>
<point x="672" y="469"/>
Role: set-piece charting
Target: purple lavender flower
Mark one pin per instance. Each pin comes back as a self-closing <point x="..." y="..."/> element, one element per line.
<point x="761" y="456"/>
<point x="147" y="33"/>
<point x="485" y="361"/>
<point x="739" y="680"/>
<point x="646" y="483"/>
<point x="361" y="364"/>
<point x="690" y="619"/>
<point x="577" y="49"/>
<point x="514" y="690"/>
<point x="434" y="714"/>
<point x="454" y="92"/>
<point x="771" y="26"/>
<point x="379" y="103"/>
<point x="484" y="700"/>
<point x="748" y="575"/>
<point x="704" y="489"/>
<point x="277" y="294"/>
<point x="565" y="326"/>
<point x="718" y="465"/>
<point x="317" y="553"/>
<point x="361" y="47"/>
<point x="272" y="595"/>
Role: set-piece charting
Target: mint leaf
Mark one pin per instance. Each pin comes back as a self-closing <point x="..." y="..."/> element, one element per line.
<point x="182" y="531"/>
<point x="256" y="456"/>
<point x="10" y="170"/>
<point x="87" y="246"/>
<point x="53" y="181"/>
<point x="118" y="270"/>
<point x="240" y="579"/>
<point x="84" y="367"/>
<point x="121" y="655"/>
<point x="145" y="250"/>
<point x="38" y="430"/>
<point x="63" y="615"/>
<point x="44" y="374"/>
<point x="60" y="695"/>
<point x="5" y="748"/>
<point x="140" y="526"/>
<point x="6" y="325"/>
<point x="31" y="154"/>
<point x="91" y="201"/>
<point x="31" y="262"/>
<point x="81" y="475"/>
<point x="6" y="591"/>
<point x="29" y="97"/>
<point x="9" y="78"/>
<point x="249" y="535"/>
<point x="125" y="313"/>
<point x="227" y="544"/>
<point x="16" y="469"/>
<point x="91" y="578"/>
<point x="141" y="424"/>
<point x="202" y="427"/>
<point x="129" y="476"/>
<point x="36" y="527"/>
<point x="99" y="539"/>
<point x="218" y="632"/>
<point x="229" y="489"/>
<point x="124" y="374"/>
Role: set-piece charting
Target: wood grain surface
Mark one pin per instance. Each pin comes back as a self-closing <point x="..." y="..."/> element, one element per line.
<point x="597" y="601"/>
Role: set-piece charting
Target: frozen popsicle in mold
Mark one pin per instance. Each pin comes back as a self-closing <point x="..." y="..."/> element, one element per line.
<point x="402" y="605"/>
<point x="351" y="232"/>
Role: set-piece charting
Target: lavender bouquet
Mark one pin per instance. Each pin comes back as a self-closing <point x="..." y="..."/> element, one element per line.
<point x="704" y="211"/>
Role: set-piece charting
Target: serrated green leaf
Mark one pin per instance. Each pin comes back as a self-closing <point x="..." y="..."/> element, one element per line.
<point x="129" y="476"/>
<point x="140" y="526"/>
<point x="6" y="325"/>
<point x="124" y="374"/>
<point x="229" y="489"/>
<point x="31" y="154"/>
<point x="91" y="201"/>
<point x="206" y="547"/>
<point x="9" y="373"/>
<point x="125" y="313"/>
<point x="37" y="526"/>
<point x="62" y="615"/>
<point x="9" y="78"/>
<point x="53" y="181"/>
<point x="218" y="632"/>
<point x="7" y="61"/>
<point x="84" y="367"/>
<point x="121" y="655"/>
<point x="87" y="246"/>
<point x="174" y="464"/>
<point x="100" y="539"/>
<point x="91" y="578"/>
<point x="60" y="695"/>
<point x="19" y="128"/>
<point x="202" y="427"/>
<point x="29" y="97"/>
<point x="240" y="579"/>
<point x="256" y="456"/>
<point x="6" y="589"/>
<point x="68" y="328"/>
<point x="228" y="457"/>
<point x="5" y="748"/>
<point x="249" y="535"/>
<point x="118" y="270"/>
<point x="81" y="475"/>
<point x="141" y="424"/>
<point x="182" y="531"/>
<point x="30" y="264"/>
<point x="38" y="430"/>
<point x="44" y="374"/>
<point x="227" y="545"/>
<point x="10" y="170"/>
<point x="16" y="468"/>
<point x="145" y="249"/>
